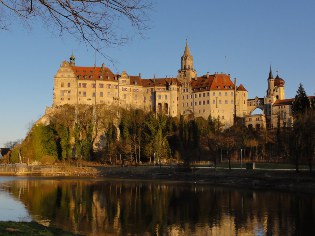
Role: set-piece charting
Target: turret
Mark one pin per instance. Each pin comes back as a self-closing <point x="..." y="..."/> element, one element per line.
<point x="72" y="60"/>
<point x="187" y="72"/>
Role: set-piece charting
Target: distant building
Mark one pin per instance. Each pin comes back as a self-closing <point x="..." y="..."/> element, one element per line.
<point x="187" y="94"/>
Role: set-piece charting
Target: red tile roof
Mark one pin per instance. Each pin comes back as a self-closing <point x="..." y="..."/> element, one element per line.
<point x="284" y="102"/>
<point x="159" y="82"/>
<point x="212" y="82"/>
<point x="241" y="88"/>
<point x="93" y="73"/>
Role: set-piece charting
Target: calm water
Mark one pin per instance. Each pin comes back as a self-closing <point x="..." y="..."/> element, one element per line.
<point x="95" y="207"/>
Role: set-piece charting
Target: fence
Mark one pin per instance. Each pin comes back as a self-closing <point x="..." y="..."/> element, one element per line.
<point x="24" y="169"/>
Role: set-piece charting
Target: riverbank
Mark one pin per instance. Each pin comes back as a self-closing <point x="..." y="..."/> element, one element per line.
<point x="283" y="180"/>
<point x="29" y="228"/>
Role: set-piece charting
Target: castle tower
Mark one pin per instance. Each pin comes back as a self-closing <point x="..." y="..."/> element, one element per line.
<point x="271" y="82"/>
<point x="187" y="71"/>
<point x="72" y="60"/>
<point x="275" y="89"/>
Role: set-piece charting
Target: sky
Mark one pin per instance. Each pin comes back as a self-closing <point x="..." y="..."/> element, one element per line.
<point x="238" y="37"/>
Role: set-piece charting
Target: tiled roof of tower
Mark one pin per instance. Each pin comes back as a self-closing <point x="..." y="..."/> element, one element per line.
<point x="279" y="81"/>
<point x="241" y="88"/>
<point x="93" y="73"/>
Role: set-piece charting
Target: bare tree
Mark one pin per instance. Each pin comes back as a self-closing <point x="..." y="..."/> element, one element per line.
<point x="95" y="22"/>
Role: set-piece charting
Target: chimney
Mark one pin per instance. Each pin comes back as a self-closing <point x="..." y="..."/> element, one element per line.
<point x="207" y="74"/>
<point x="140" y="75"/>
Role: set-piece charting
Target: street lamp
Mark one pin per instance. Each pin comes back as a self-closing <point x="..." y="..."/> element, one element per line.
<point x="241" y="157"/>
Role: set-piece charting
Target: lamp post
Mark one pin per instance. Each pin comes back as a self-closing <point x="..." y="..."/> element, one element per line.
<point x="241" y="158"/>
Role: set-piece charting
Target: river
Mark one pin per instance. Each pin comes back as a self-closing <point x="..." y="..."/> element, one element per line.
<point x="117" y="207"/>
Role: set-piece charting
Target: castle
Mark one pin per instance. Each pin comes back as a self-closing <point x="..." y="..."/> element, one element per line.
<point x="187" y="94"/>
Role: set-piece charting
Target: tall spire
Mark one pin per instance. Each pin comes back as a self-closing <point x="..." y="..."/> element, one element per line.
<point x="187" y="50"/>
<point x="270" y="74"/>
<point x="187" y="59"/>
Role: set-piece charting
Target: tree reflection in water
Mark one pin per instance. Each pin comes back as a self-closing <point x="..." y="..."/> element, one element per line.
<point x="153" y="208"/>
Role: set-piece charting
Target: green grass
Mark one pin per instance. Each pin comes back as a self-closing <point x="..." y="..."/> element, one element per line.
<point x="29" y="228"/>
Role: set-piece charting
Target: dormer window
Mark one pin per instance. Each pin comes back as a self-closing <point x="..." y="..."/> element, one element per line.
<point x="101" y="77"/>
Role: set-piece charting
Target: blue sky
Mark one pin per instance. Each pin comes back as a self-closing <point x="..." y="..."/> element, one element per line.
<point x="239" y="37"/>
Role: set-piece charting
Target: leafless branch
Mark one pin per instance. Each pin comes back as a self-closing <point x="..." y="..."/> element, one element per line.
<point x="94" y="22"/>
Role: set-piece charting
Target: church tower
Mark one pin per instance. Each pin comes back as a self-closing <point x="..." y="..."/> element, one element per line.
<point x="187" y="71"/>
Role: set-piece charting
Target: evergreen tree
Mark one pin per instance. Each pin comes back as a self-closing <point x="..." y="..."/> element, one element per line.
<point x="301" y="102"/>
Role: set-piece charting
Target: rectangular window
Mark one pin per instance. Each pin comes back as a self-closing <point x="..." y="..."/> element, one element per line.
<point x="204" y="103"/>
<point x="219" y="93"/>
<point x="79" y="85"/>
<point x="232" y="93"/>
<point x="165" y="96"/>
<point x="62" y="85"/>
<point x="200" y="95"/>
<point x="195" y="103"/>
<point x="204" y="94"/>
<point x="84" y="94"/>
<point x="101" y="94"/>
<point x="84" y="85"/>
<point x="93" y="95"/>
<point x="225" y="93"/>
<point x="213" y="93"/>
<point x="208" y="102"/>
<point x="226" y="101"/>
<point x="108" y="94"/>
<point x="68" y="85"/>
<point x="208" y="93"/>
<point x="199" y="102"/>
<point x="213" y="102"/>
<point x="159" y="96"/>
<point x="125" y="96"/>
<point x="195" y="95"/>
<point x="101" y="85"/>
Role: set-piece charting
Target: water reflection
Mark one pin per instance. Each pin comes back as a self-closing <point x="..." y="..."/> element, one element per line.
<point x="11" y="209"/>
<point x="153" y="208"/>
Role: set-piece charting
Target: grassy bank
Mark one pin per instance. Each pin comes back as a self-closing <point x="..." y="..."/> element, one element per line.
<point x="29" y="228"/>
